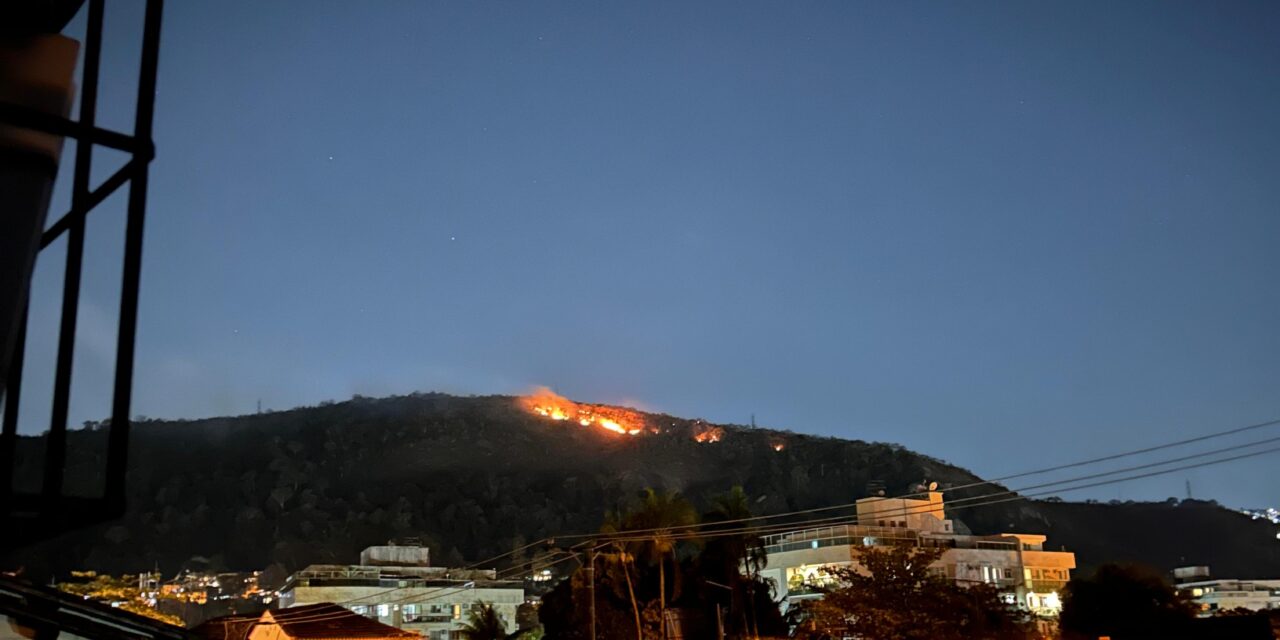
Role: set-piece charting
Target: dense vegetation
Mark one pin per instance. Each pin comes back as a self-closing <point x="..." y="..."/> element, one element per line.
<point x="868" y="603"/>
<point x="477" y="476"/>
<point x="651" y="562"/>
<point x="1125" y="602"/>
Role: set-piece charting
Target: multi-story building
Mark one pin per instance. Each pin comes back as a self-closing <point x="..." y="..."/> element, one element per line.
<point x="1016" y="563"/>
<point x="1214" y="595"/>
<point x="395" y="585"/>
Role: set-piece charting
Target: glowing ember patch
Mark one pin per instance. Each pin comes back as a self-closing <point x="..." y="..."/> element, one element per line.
<point x="546" y="403"/>
<point x="778" y="446"/>
<point x="709" y="434"/>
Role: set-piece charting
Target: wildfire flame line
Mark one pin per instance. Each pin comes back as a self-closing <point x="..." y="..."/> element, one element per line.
<point x="547" y="403"/>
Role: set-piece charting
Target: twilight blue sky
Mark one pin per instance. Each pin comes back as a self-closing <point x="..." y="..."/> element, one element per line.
<point x="1005" y="234"/>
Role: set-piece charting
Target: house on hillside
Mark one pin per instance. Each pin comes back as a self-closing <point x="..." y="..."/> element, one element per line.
<point x="394" y="585"/>
<point x="1017" y="564"/>
<point x="325" y="621"/>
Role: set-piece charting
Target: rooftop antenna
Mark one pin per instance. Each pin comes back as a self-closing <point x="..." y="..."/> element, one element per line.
<point x="753" y="421"/>
<point x="1188" y="488"/>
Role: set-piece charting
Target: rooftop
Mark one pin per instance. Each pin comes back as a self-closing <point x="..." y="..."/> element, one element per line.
<point x="868" y="536"/>
<point x="325" y="621"/>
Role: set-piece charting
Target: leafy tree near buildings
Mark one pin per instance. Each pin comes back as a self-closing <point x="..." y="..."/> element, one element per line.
<point x="620" y="560"/>
<point x="730" y="564"/>
<point x="121" y="592"/>
<point x="658" y="518"/>
<point x="896" y="596"/>
<point x="484" y="623"/>
<point x="566" y="611"/>
<point x="639" y="575"/>
<point x="1126" y="602"/>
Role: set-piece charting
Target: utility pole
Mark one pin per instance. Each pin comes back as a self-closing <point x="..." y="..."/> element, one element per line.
<point x="591" y="572"/>
<point x="719" y="617"/>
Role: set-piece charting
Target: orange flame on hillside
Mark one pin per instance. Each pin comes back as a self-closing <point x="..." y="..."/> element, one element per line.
<point x="709" y="434"/>
<point x="547" y="403"/>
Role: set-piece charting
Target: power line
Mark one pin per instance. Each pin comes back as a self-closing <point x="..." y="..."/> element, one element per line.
<point x="685" y="531"/>
<point x="1081" y="463"/>
<point x="986" y="499"/>
<point x="464" y="568"/>
<point x="929" y="508"/>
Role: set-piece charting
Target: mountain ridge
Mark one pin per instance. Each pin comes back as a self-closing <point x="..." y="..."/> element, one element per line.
<point x="477" y="476"/>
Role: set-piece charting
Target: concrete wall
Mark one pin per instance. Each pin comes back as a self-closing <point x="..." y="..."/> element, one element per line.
<point x="924" y="514"/>
<point x="396" y="556"/>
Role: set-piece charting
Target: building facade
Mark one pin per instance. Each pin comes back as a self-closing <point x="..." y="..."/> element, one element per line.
<point x="1224" y="594"/>
<point x="433" y="601"/>
<point x="1017" y="564"/>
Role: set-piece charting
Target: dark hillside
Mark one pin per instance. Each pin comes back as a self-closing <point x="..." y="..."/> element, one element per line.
<point x="478" y="476"/>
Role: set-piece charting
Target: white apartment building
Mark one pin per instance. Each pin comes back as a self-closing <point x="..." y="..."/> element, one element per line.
<point x="433" y="601"/>
<point x="1217" y="595"/>
<point x="1018" y="564"/>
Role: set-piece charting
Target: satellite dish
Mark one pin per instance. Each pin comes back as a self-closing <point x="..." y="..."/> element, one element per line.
<point x="933" y="486"/>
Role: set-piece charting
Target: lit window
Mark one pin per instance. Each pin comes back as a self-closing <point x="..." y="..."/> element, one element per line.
<point x="1051" y="601"/>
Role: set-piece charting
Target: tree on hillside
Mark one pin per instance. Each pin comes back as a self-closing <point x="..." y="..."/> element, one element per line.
<point x="1125" y="602"/>
<point x="895" y="595"/>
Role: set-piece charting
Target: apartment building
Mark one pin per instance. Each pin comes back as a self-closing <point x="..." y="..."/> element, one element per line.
<point x="395" y="586"/>
<point x="1226" y="594"/>
<point x="1018" y="564"/>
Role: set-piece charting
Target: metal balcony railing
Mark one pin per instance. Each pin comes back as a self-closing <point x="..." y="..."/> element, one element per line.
<point x="31" y="516"/>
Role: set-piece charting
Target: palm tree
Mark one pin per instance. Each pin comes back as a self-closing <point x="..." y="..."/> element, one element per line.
<point x="730" y="555"/>
<point x="659" y="517"/>
<point x="484" y="623"/>
<point x="747" y="550"/>
<point x="613" y="524"/>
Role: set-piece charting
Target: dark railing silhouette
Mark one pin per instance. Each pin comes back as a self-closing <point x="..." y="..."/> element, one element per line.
<point x="32" y="516"/>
